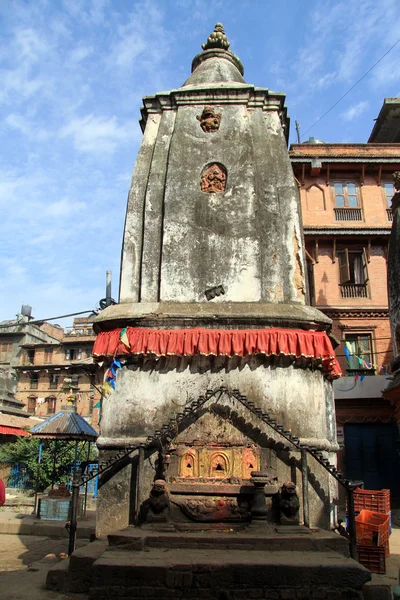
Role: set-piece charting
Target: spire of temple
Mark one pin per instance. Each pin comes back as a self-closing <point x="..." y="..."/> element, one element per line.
<point x="217" y="39"/>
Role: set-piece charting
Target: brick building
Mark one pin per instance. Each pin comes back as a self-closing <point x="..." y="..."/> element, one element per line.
<point x="345" y="192"/>
<point x="14" y="333"/>
<point x="52" y="376"/>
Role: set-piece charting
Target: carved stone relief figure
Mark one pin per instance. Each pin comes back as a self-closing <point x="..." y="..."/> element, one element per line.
<point x="209" y="119"/>
<point x="213" y="178"/>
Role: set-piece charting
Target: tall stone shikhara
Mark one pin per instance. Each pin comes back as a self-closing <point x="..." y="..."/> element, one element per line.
<point x="213" y="293"/>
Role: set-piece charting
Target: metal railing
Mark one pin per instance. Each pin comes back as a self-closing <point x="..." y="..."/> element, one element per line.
<point x="348" y="214"/>
<point x="354" y="290"/>
<point x="164" y="436"/>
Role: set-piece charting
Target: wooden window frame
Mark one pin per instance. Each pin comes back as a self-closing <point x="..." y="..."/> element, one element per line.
<point x="359" y="334"/>
<point x="53" y="385"/>
<point x="344" y="182"/>
<point x="34" y="381"/>
<point x="345" y="274"/>
<point x="386" y="197"/>
<point x="48" y="355"/>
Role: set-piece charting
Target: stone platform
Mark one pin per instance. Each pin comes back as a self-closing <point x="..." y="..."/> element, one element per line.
<point x="223" y="565"/>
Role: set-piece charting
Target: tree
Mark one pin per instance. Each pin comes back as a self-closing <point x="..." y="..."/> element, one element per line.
<point x="25" y="452"/>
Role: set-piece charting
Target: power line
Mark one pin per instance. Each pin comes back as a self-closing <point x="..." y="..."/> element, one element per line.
<point x="35" y="321"/>
<point x="352" y="87"/>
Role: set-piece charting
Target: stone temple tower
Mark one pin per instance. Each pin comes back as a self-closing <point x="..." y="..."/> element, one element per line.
<point x="213" y="297"/>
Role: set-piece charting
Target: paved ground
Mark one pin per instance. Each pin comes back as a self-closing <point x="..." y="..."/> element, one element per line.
<point x="23" y="567"/>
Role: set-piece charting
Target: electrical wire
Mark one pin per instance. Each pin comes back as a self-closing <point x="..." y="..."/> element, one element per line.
<point x="352" y="88"/>
<point x="35" y="321"/>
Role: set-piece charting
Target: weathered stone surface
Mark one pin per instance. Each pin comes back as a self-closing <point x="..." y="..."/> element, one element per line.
<point x="190" y="229"/>
<point x="326" y="575"/>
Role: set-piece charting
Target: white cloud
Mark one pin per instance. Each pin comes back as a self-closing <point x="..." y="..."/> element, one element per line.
<point x="63" y="208"/>
<point x="97" y="134"/>
<point x="355" y="111"/>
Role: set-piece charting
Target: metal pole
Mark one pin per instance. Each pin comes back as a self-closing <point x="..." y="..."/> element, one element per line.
<point x="304" y="479"/>
<point x="74" y="512"/>
<point x="139" y="483"/>
<point x="37" y="476"/>
<point x="298" y="132"/>
<point x="54" y="464"/>
<point x="86" y="485"/>
<point x="351" y="521"/>
<point x="108" y="288"/>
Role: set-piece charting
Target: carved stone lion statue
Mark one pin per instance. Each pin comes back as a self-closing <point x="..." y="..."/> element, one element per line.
<point x="157" y="506"/>
<point x="289" y="504"/>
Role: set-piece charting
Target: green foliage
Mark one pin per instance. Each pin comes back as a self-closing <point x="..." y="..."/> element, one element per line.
<point x="25" y="452"/>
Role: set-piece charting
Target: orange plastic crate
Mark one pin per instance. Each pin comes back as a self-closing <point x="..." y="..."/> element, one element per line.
<point x="376" y="500"/>
<point x="372" y="528"/>
<point x="372" y="557"/>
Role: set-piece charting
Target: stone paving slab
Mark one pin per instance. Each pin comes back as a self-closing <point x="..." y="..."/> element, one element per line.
<point x="28" y="524"/>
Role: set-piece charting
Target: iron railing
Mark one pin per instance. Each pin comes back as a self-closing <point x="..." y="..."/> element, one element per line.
<point x="348" y="214"/>
<point x="354" y="290"/>
<point x="161" y="438"/>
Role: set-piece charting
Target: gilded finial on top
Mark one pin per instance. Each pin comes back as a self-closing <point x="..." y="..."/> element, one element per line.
<point x="217" y="39"/>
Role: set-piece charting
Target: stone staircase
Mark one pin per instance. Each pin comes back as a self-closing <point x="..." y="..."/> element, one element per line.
<point x="267" y="562"/>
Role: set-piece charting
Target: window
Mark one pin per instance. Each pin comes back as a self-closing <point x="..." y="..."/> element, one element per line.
<point x="389" y="193"/>
<point x="48" y="355"/>
<point x="359" y="356"/>
<point x="346" y="201"/>
<point x="353" y="273"/>
<point x="53" y="381"/>
<point x="5" y="349"/>
<point x="34" y="381"/>
<point x="32" y="404"/>
<point x="30" y="356"/>
<point x="73" y="354"/>
<point x="51" y="405"/>
<point x="75" y="380"/>
<point x="345" y="194"/>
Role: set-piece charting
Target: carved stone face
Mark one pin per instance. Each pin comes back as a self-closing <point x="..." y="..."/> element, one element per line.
<point x="289" y="488"/>
<point x="159" y="487"/>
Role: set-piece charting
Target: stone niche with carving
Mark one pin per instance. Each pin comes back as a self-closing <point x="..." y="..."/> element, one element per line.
<point x="210" y="471"/>
<point x="213" y="178"/>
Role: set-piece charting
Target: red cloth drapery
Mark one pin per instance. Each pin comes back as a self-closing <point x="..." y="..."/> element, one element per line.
<point x="314" y="345"/>
<point x="13" y="430"/>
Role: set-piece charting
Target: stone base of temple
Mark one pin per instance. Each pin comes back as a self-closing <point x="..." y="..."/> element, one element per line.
<point x="255" y="563"/>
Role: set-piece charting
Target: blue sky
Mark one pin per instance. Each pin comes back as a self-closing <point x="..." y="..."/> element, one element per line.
<point x="72" y="76"/>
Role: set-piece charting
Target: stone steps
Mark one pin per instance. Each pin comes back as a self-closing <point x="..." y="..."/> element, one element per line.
<point x="136" y="563"/>
<point x="272" y="540"/>
<point x="226" y="574"/>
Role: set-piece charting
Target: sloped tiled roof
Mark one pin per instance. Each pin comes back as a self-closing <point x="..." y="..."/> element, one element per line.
<point x="22" y="422"/>
<point x="376" y="151"/>
<point x="65" y="425"/>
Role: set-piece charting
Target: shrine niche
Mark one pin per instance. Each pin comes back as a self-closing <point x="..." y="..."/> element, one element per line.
<point x="209" y="119"/>
<point x="210" y="473"/>
<point x="213" y="178"/>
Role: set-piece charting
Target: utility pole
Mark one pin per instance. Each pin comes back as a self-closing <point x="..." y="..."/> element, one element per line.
<point x="298" y="132"/>
<point x="108" y="288"/>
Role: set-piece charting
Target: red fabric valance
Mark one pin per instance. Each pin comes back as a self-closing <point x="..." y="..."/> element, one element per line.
<point x="12" y="431"/>
<point x="314" y="345"/>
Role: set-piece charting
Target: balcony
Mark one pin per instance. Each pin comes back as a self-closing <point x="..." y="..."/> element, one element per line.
<point x="348" y="214"/>
<point x="389" y="213"/>
<point x="360" y="372"/>
<point x="354" y="290"/>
